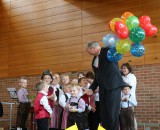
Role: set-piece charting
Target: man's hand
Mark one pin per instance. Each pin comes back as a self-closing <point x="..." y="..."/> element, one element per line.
<point x="88" y="92"/>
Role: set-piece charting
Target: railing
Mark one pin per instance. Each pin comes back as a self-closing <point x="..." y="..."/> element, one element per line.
<point x="10" y="114"/>
<point x="148" y="126"/>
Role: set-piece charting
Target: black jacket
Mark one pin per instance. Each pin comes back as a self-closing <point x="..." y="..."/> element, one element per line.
<point x="107" y="75"/>
<point x="1" y="110"/>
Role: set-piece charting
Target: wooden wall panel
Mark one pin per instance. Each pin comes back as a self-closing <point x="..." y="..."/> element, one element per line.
<point x="52" y="34"/>
<point x="46" y="36"/>
<point x="46" y="9"/>
<point x="47" y="28"/>
<point x="132" y="60"/>
<point x="51" y="52"/>
<point x="101" y="18"/>
<point x="26" y="62"/>
<point x="111" y="7"/>
<point x="63" y="42"/>
<point x="23" y="3"/>
<point x="21" y="23"/>
<point x="152" y="58"/>
<point x="152" y="7"/>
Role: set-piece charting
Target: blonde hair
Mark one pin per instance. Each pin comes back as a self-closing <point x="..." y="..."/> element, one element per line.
<point x="40" y="85"/>
<point x="63" y="76"/>
<point x="22" y="78"/>
<point x="76" y="86"/>
<point x="74" y="82"/>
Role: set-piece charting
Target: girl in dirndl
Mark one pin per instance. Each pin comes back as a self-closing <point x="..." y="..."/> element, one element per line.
<point x="64" y="102"/>
<point x="56" y="119"/>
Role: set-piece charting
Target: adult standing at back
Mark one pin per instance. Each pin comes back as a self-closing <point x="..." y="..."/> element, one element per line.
<point x="109" y="80"/>
<point x="131" y="79"/>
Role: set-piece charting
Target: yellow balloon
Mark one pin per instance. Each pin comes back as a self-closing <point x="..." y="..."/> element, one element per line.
<point x="113" y="22"/>
<point x="123" y="46"/>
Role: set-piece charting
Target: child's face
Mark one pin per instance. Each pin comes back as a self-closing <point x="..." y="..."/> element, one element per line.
<point x="67" y="89"/>
<point x="47" y="79"/>
<point x="65" y="80"/>
<point x="57" y="77"/>
<point x="74" y="91"/>
<point x="83" y="82"/>
<point x="126" y="90"/>
<point x="23" y="83"/>
<point x="90" y="80"/>
<point x="54" y="82"/>
<point x="45" y="88"/>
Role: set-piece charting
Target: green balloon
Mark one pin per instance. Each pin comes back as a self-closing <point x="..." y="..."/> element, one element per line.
<point x="137" y="34"/>
<point x="132" y="22"/>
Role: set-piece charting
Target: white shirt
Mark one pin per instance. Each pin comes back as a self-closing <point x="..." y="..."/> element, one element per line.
<point x="132" y="81"/>
<point x="96" y="62"/>
<point x="62" y="99"/>
<point x="132" y="101"/>
<point x="44" y="102"/>
<point x="60" y="91"/>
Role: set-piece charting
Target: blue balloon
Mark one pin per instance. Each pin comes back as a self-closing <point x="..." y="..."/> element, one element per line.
<point x="113" y="55"/>
<point x="137" y="50"/>
<point x="110" y="40"/>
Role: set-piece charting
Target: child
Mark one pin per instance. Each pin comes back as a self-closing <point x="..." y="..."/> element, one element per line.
<point x="24" y="104"/>
<point x="81" y="74"/>
<point x="48" y="78"/>
<point x="126" y="112"/>
<point x="65" y="80"/>
<point x="74" y="82"/>
<point x="76" y="110"/>
<point x="63" y="101"/>
<point x="42" y="108"/>
<point x="83" y="84"/>
<point x="93" y="116"/>
<point x="57" y="109"/>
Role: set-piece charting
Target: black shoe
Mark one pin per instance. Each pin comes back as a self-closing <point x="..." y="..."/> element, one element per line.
<point x="24" y="128"/>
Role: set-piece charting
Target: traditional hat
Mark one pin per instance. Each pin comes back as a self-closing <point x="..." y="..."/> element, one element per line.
<point x="46" y="72"/>
<point x="126" y="85"/>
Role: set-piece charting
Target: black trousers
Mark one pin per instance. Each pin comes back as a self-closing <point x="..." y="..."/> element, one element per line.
<point x="127" y="118"/>
<point x="109" y="108"/>
<point x="42" y="124"/>
<point x="22" y="114"/>
<point x="94" y="118"/>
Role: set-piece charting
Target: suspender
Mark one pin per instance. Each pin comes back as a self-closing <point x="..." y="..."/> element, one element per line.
<point x="75" y="102"/>
<point x="128" y="101"/>
<point x="66" y="97"/>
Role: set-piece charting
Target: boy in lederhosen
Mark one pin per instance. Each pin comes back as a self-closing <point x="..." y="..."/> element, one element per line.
<point x="24" y="105"/>
<point x="77" y="110"/>
<point x="126" y="112"/>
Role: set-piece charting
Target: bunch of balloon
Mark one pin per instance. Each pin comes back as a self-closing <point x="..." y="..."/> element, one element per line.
<point x="129" y="31"/>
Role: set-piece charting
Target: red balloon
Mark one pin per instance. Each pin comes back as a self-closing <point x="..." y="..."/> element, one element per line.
<point x="108" y="24"/>
<point x="151" y="30"/>
<point x="144" y="20"/>
<point x="121" y="30"/>
<point x="146" y="25"/>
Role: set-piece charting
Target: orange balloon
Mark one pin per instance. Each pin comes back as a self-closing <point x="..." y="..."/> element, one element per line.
<point x="112" y="22"/>
<point x="126" y="15"/>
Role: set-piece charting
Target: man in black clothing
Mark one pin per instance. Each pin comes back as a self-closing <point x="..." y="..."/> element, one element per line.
<point x="109" y="80"/>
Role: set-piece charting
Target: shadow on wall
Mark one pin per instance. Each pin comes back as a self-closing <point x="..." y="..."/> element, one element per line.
<point x="106" y="10"/>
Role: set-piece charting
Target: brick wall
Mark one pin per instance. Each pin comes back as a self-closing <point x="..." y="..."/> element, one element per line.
<point x="148" y="95"/>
